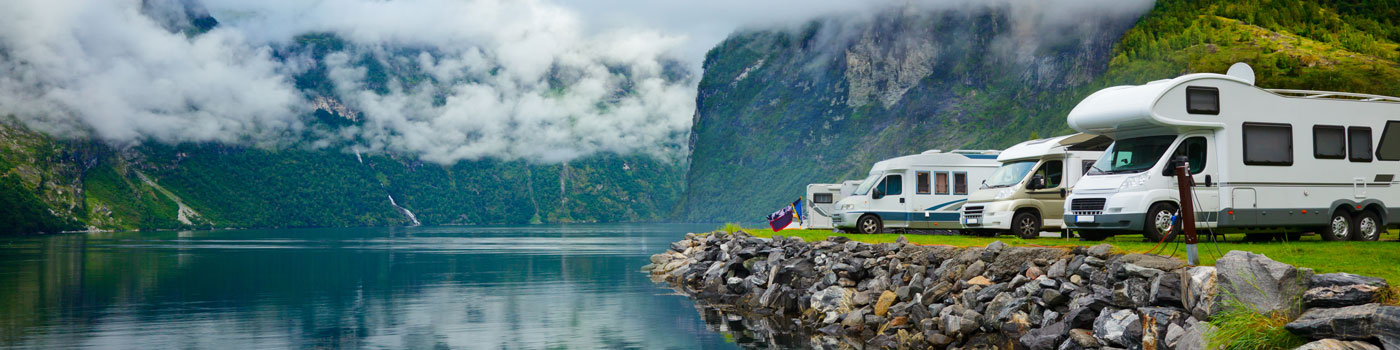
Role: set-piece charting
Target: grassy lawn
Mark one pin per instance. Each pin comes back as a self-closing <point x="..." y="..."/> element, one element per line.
<point x="1379" y="259"/>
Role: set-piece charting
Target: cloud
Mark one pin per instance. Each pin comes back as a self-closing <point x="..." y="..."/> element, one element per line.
<point x="444" y="80"/>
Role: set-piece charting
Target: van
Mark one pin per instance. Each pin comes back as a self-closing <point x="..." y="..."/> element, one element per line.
<point x="921" y="191"/>
<point x="1026" y="193"/>
<point x="820" y="203"/>
<point x="1262" y="160"/>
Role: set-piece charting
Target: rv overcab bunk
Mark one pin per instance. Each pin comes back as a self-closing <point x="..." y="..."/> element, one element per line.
<point x="1262" y="160"/>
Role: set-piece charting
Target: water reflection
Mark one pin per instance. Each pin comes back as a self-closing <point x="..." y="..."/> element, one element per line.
<point x="440" y="287"/>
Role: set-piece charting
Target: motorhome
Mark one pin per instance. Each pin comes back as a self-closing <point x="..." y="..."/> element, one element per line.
<point x="1262" y="160"/>
<point x="1025" y="195"/>
<point x="921" y="191"/>
<point x="820" y="203"/>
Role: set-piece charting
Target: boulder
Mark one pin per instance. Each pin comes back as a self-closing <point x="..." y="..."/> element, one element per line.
<point x="1057" y="269"/>
<point x="1157" y="262"/>
<point x="1084" y="338"/>
<point x="1156" y="323"/>
<point x="1333" y="344"/>
<point x="1262" y="283"/>
<point x="1195" y="337"/>
<point x="1165" y="290"/>
<point x="979" y="281"/>
<point x="1119" y="328"/>
<point x="1045" y="338"/>
<point x="1130" y="293"/>
<point x="1362" y="322"/>
<point x="974" y="269"/>
<point x="882" y="305"/>
<point x="1199" y="290"/>
<point x="828" y="301"/>
<point x="1343" y="289"/>
<point x="1101" y="251"/>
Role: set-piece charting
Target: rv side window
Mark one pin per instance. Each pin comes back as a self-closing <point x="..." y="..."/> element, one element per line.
<point x="941" y="183"/>
<point x="1053" y="171"/>
<point x="1359" y="141"/>
<point x="1202" y="100"/>
<point x="1268" y="144"/>
<point x="821" y="198"/>
<point x="1194" y="149"/>
<point x="1329" y="142"/>
<point x="1389" y="148"/>
<point x="1088" y="165"/>
<point x="959" y="183"/>
<point x="922" y="182"/>
<point x="893" y="185"/>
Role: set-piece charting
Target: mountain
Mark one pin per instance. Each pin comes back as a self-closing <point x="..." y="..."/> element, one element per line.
<point x="778" y="109"/>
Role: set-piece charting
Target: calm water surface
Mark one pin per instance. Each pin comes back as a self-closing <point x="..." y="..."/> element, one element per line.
<point x="576" y="286"/>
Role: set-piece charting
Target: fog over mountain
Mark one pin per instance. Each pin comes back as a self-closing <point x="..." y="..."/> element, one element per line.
<point x="533" y="79"/>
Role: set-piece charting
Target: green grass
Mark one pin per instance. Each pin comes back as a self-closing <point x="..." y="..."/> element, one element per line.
<point x="1241" y="327"/>
<point x="1379" y="259"/>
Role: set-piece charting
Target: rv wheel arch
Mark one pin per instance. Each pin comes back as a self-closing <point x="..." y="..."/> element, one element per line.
<point x="1150" y="226"/>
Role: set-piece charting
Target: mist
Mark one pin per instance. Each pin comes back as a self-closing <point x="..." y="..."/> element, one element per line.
<point x="533" y="79"/>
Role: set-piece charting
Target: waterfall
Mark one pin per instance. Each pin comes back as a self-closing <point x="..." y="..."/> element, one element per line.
<point x="405" y="211"/>
<point x="357" y="156"/>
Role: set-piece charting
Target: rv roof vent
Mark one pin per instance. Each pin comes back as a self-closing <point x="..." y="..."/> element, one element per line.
<point x="1243" y="71"/>
<point x="933" y="151"/>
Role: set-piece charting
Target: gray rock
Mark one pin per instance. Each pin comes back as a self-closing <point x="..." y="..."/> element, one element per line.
<point x="735" y="285"/>
<point x="1370" y="321"/>
<point x="1165" y="291"/>
<point x="1199" y="289"/>
<point x="1156" y="322"/>
<point x="828" y="301"/>
<point x="1084" y="338"/>
<point x="1174" y="333"/>
<point x="1130" y="293"/>
<point x="1142" y="272"/>
<point x="974" y="269"/>
<point x="862" y="298"/>
<point x="1265" y="284"/>
<point x="1158" y="262"/>
<point x="1196" y="336"/>
<point x="1045" y="338"/>
<point x="902" y="240"/>
<point x="1121" y="328"/>
<point x="1057" y="270"/>
<point x="1053" y="297"/>
<point x="1101" y="251"/>
<point x="1343" y="289"/>
<point x="1333" y="344"/>
<point x="938" y="340"/>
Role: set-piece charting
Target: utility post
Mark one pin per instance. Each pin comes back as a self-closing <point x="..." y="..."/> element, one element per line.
<point x="1188" y="212"/>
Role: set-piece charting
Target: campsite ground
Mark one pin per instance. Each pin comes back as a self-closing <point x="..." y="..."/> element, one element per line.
<point x="1379" y="259"/>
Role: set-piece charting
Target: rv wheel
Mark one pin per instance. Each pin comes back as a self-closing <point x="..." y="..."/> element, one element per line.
<point x="1368" y="227"/>
<point x="1339" y="229"/>
<point x="1159" y="223"/>
<point x="870" y="224"/>
<point x="1026" y="225"/>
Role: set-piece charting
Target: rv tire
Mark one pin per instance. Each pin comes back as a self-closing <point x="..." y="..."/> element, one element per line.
<point x="1339" y="228"/>
<point x="1158" y="226"/>
<point x="1026" y="225"/>
<point x="1368" y="227"/>
<point x="870" y="224"/>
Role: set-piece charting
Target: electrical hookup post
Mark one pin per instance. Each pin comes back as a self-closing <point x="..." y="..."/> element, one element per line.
<point x="1188" y="211"/>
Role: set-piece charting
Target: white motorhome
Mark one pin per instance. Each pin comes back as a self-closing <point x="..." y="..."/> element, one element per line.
<point x="1262" y="160"/>
<point x="1025" y="195"/>
<point x="921" y="191"/>
<point x="820" y="203"/>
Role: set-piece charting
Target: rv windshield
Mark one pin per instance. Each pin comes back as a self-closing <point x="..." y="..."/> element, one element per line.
<point x="866" y="184"/>
<point x="1010" y="173"/>
<point x="1132" y="155"/>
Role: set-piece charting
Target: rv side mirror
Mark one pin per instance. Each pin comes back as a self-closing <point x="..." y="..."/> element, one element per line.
<point x="877" y="194"/>
<point x="1175" y="162"/>
<point x="1037" y="182"/>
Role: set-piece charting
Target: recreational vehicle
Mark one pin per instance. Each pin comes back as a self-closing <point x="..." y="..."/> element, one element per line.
<point x="921" y="191"/>
<point x="1262" y="160"/>
<point x="821" y="201"/>
<point x="1025" y="195"/>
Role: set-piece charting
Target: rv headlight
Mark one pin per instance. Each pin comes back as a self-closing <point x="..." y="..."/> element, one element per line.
<point x="1135" y="181"/>
<point x="1005" y="193"/>
<point x="847" y="206"/>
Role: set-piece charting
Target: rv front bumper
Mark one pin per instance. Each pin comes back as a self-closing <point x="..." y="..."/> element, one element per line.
<point x="845" y="220"/>
<point x="1106" y="222"/>
<point x="1000" y="220"/>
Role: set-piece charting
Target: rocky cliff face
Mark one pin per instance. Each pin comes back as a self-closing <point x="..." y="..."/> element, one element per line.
<point x="780" y="109"/>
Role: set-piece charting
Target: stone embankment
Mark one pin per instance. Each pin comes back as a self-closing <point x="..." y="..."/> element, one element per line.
<point x="898" y="295"/>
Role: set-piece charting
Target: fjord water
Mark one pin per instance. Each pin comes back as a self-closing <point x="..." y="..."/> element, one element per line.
<point x="574" y="286"/>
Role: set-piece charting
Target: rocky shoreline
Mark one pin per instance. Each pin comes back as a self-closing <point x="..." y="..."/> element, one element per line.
<point x="846" y="294"/>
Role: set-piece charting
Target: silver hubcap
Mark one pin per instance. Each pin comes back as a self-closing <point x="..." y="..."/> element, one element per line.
<point x="869" y="225"/>
<point x="1027" y="225"/>
<point x="1339" y="226"/>
<point x="1367" y="228"/>
<point x="1163" y="221"/>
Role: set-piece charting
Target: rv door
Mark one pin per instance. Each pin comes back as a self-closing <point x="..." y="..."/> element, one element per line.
<point x="1206" y="195"/>
<point x="887" y="200"/>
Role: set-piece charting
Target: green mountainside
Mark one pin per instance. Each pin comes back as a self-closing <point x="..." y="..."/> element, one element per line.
<point x="781" y="109"/>
<point x="49" y="185"/>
